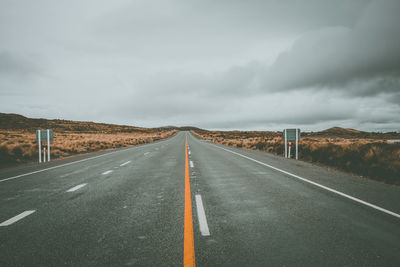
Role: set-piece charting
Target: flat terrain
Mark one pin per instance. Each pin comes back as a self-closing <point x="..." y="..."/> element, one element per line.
<point x="250" y="208"/>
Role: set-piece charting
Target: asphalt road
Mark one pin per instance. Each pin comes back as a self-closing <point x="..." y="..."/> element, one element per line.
<point x="248" y="208"/>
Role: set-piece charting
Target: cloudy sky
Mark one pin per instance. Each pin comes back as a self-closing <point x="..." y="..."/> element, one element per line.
<point x="228" y="64"/>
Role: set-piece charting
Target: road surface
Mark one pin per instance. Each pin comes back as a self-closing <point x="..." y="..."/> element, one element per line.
<point x="134" y="207"/>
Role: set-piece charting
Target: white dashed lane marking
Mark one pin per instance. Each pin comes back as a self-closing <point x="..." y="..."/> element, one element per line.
<point x="17" y="218"/>
<point x="107" y="172"/>
<point x="76" y="188"/>
<point x="126" y="163"/>
<point x="202" y="217"/>
<point x="62" y="165"/>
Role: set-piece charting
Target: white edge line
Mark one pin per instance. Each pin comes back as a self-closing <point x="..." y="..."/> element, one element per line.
<point x="202" y="217"/>
<point x="107" y="172"/>
<point x="191" y="164"/>
<point x="17" y="218"/>
<point x="319" y="185"/>
<point x="76" y="188"/>
<point x="62" y="165"/>
<point x="123" y="164"/>
<point x="73" y="162"/>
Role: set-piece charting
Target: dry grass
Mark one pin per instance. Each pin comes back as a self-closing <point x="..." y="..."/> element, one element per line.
<point x="361" y="153"/>
<point x="18" y="139"/>
<point x="18" y="146"/>
<point x="21" y="146"/>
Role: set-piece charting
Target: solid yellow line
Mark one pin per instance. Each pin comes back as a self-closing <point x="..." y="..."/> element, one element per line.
<point x="188" y="243"/>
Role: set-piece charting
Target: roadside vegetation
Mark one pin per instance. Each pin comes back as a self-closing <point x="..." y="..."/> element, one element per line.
<point x="18" y="137"/>
<point x="361" y="153"/>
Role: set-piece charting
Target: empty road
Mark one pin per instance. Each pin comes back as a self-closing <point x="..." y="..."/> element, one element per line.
<point x="169" y="204"/>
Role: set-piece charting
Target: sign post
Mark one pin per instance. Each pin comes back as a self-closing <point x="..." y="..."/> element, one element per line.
<point x="291" y="135"/>
<point x="44" y="136"/>
<point x="297" y="146"/>
<point x="48" y="144"/>
<point x="40" y="143"/>
<point x="285" y="134"/>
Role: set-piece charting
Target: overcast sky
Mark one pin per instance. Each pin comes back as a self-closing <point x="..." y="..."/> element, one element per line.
<point x="232" y="64"/>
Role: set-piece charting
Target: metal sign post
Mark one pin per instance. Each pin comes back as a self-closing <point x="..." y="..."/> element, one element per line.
<point x="297" y="145"/>
<point x="44" y="136"/>
<point x="40" y="143"/>
<point x="291" y="135"/>
<point x="48" y="145"/>
<point x="285" y="133"/>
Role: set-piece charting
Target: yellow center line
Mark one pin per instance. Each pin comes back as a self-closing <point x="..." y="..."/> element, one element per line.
<point x="188" y="243"/>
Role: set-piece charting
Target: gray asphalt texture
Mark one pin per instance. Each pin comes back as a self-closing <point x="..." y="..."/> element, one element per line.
<point x="134" y="216"/>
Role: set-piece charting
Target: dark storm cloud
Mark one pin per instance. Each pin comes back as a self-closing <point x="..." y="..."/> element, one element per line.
<point x="394" y="98"/>
<point x="377" y="85"/>
<point x="212" y="30"/>
<point x="333" y="57"/>
<point x="364" y="60"/>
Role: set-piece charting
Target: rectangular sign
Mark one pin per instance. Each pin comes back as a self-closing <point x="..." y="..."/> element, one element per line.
<point x="43" y="135"/>
<point x="291" y="134"/>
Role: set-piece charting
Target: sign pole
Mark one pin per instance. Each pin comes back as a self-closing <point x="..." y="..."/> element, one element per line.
<point x="48" y="144"/>
<point x="297" y="144"/>
<point x="285" y="143"/>
<point x="40" y="146"/>
<point x="290" y="135"/>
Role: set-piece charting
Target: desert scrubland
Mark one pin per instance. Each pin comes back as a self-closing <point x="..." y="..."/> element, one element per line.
<point x="372" y="155"/>
<point x="18" y="137"/>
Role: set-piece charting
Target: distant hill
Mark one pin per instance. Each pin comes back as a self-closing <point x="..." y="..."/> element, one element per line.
<point x="188" y="128"/>
<point x="182" y="128"/>
<point x="341" y="131"/>
<point x="19" y="122"/>
<point x="9" y="121"/>
<point x="169" y="127"/>
<point x="351" y="133"/>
